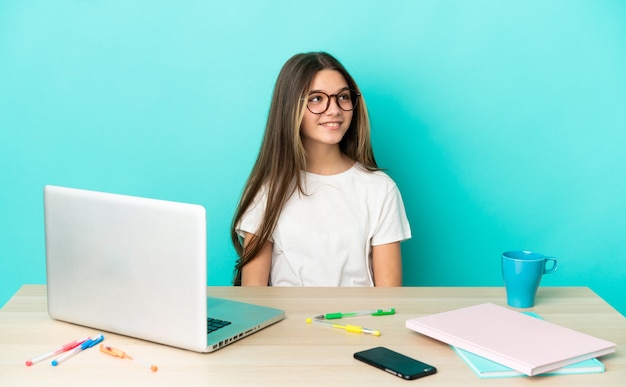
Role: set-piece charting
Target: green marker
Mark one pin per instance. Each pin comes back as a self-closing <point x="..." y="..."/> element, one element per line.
<point x="375" y="312"/>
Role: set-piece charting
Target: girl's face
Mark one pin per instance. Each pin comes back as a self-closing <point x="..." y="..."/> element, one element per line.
<point x="329" y="127"/>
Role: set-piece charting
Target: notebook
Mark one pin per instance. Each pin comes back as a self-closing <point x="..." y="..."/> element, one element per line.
<point x="486" y="369"/>
<point x="524" y="343"/>
<point x="137" y="267"/>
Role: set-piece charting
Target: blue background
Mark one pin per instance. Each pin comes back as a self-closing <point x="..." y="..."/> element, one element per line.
<point x="503" y="123"/>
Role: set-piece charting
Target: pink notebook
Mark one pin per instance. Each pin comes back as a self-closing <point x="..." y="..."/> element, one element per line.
<point x="523" y="343"/>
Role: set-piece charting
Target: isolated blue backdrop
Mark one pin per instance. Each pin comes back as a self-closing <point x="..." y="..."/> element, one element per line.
<point x="503" y="123"/>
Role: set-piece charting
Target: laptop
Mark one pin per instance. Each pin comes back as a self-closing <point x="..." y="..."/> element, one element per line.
<point x="137" y="267"/>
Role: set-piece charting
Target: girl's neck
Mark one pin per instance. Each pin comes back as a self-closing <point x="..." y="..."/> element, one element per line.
<point x="327" y="161"/>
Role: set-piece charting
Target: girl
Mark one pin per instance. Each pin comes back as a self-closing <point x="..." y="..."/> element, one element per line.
<point x="316" y="210"/>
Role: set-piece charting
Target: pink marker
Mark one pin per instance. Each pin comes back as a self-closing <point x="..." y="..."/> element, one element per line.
<point x="61" y="349"/>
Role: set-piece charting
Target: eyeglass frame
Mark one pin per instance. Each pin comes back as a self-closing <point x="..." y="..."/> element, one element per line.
<point x="353" y="92"/>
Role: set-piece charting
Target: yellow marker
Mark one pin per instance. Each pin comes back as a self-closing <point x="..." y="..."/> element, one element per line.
<point x="121" y="354"/>
<point x="349" y="328"/>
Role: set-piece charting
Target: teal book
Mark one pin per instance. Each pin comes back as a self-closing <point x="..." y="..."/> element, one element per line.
<point x="486" y="368"/>
<point x="490" y="369"/>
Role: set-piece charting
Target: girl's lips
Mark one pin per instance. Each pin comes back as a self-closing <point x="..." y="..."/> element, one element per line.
<point x="331" y="125"/>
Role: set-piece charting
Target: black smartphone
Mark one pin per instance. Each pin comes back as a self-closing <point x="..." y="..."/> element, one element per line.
<point x="395" y="363"/>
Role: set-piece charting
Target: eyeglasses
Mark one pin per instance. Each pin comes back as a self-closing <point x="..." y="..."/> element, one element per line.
<point x="318" y="102"/>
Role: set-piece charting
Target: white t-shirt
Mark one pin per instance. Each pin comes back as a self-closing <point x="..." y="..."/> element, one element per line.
<point x="324" y="238"/>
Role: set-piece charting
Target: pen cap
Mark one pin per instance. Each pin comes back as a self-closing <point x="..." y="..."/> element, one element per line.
<point x="381" y="312"/>
<point x="91" y="342"/>
<point x="112" y="351"/>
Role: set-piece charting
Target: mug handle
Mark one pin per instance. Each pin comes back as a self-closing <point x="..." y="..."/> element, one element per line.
<point x="552" y="269"/>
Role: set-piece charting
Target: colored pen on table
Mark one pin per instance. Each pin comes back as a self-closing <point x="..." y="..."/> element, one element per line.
<point x="61" y="349"/>
<point x="349" y="328"/>
<point x="375" y="312"/>
<point x="121" y="354"/>
<point x="85" y="345"/>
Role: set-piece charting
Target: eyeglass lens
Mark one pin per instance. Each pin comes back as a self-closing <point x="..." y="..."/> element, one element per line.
<point x="318" y="102"/>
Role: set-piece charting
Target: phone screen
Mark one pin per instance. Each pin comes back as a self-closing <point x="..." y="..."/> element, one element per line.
<point x="395" y="363"/>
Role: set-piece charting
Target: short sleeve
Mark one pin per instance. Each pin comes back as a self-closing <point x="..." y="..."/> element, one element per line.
<point x="251" y="220"/>
<point x="393" y="225"/>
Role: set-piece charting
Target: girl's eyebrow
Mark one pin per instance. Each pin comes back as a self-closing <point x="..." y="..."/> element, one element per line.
<point x="322" y="91"/>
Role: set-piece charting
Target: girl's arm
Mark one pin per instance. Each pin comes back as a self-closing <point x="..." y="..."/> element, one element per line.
<point x="257" y="271"/>
<point x="387" y="264"/>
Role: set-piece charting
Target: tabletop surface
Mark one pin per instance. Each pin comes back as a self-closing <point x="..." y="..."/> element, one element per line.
<point x="292" y="352"/>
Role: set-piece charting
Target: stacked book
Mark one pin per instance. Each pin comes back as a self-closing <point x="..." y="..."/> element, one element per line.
<point x="499" y="342"/>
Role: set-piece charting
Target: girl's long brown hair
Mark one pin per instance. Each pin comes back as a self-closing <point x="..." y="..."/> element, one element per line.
<point x="282" y="155"/>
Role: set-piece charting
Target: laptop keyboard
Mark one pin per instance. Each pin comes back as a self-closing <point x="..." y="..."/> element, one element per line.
<point x="213" y="324"/>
